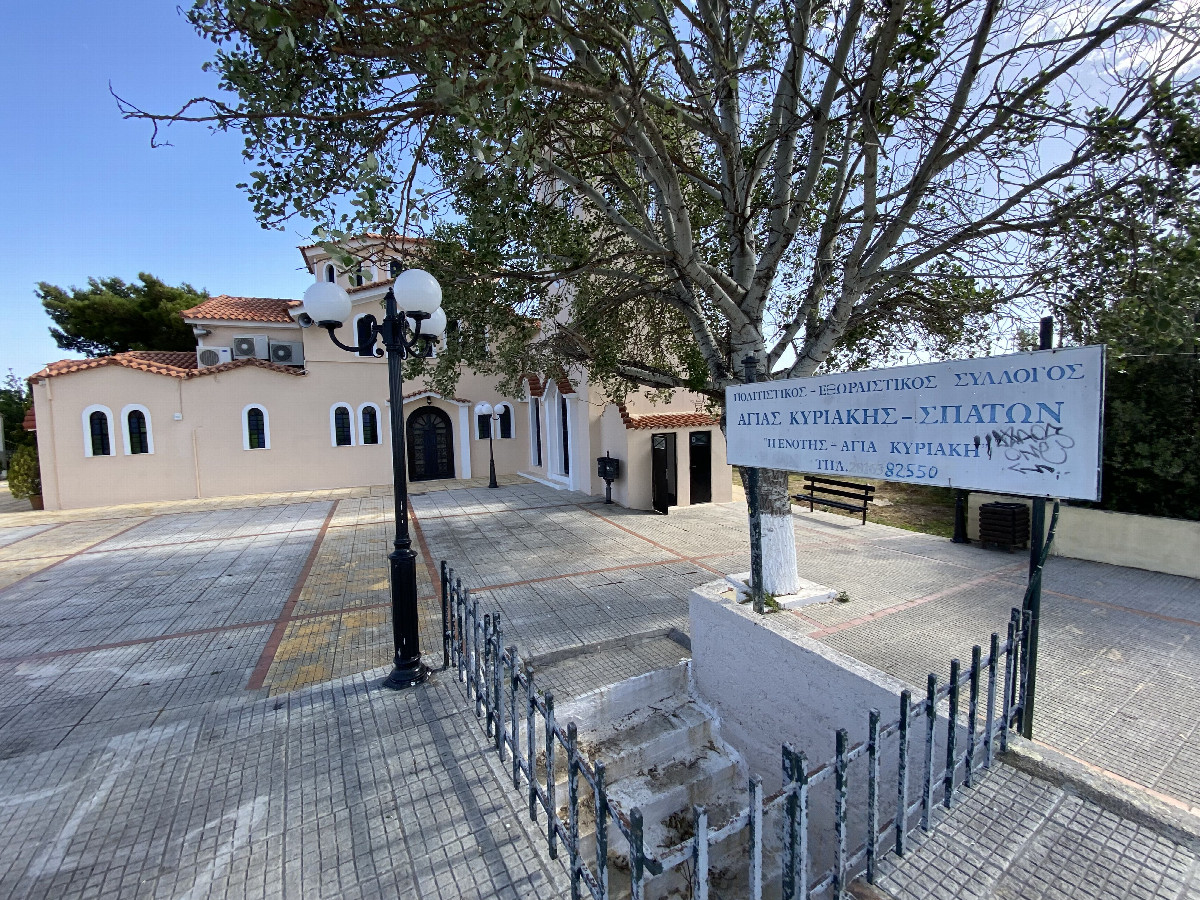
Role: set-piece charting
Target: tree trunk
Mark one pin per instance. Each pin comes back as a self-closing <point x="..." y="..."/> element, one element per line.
<point x="780" y="575"/>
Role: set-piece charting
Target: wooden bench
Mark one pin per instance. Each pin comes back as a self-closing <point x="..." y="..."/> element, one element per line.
<point x="861" y="493"/>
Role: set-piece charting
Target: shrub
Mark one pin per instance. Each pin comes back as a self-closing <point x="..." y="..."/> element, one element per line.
<point x="24" y="473"/>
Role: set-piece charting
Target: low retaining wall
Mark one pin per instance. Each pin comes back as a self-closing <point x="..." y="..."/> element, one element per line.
<point x="1121" y="539"/>
<point x="770" y="683"/>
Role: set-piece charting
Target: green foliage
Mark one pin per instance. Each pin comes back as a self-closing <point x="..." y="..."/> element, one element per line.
<point x="1128" y="276"/>
<point x="672" y="186"/>
<point x="110" y="316"/>
<point x="15" y="401"/>
<point x="24" y="472"/>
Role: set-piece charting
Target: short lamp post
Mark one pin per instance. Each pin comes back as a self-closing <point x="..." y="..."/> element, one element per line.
<point x="408" y="333"/>
<point x="493" y="414"/>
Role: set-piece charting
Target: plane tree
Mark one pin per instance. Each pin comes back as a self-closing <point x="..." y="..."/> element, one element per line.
<point x="675" y="185"/>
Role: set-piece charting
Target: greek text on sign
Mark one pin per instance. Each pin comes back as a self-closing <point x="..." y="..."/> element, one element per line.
<point x="1027" y="424"/>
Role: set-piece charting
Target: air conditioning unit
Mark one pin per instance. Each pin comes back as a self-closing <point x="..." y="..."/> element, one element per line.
<point x="213" y="356"/>
<point x="287" y="353"/>
<point x="251" y="346"/>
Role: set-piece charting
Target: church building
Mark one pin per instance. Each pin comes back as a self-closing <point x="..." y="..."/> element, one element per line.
<point x="264" y="404"/>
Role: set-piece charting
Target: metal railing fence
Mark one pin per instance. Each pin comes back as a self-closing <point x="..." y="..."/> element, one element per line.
<point x="955" y="750"/>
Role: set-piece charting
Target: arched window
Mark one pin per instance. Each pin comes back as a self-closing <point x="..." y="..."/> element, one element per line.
<point x="341" y="427"/>
<point x="394" y="268"/>
<point x="535" y="431"/>
<point x="98" y="424"/>
<point x="505" y="425"/>
<point x="358" y="276"/>
<point x="483" y="423"/>
<point x="330" y="273"/>
<point x="137" y="429"/>
<point x="97" y="431"/>
<point x="256" y="428"/>
<point x="368" y="416"/>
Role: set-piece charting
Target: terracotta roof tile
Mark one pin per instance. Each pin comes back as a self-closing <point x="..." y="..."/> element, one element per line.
<point x="536" y="386"/>
<point x="243" y="309"/>
<point x="159" y="362"/>
<point x="666" y="420"/>
<point x="414" y="394"/>
<point x="240" y="363"/>
<point x="180" y="359"/>
<point x="30" y="423"/>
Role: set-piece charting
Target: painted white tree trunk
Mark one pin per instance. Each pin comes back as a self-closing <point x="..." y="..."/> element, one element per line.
<point x="780" y="572"/>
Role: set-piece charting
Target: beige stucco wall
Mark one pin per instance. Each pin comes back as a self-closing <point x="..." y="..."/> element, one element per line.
<point x="222" y="335"/>
<point x="1140" y="542"/>
<point x="634" y="489"/>
<point x="301" y="456"/>
<point x="72" y="479"/>
<point x="202" y="454"/>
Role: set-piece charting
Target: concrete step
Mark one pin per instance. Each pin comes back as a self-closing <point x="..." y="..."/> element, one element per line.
<point x="660" y="733"/>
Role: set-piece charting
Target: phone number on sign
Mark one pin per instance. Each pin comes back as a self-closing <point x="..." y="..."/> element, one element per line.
<point x="908" y="470"/>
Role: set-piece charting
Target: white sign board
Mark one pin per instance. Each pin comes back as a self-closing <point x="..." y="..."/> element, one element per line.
<point x="1027" y="424"/>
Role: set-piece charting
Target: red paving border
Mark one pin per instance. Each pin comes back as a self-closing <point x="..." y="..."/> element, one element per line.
<point x="827" y="630"/>
<point x="1129" y="609"/>
<point x="215" y="629"/>
<point x="259" y="675"/>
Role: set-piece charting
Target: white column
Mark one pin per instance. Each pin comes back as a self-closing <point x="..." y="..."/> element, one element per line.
<point x="576" y="437"/>
<point x="464" y="441"/>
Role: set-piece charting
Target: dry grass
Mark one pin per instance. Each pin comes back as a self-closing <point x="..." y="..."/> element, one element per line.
<point x="916" y="507"/>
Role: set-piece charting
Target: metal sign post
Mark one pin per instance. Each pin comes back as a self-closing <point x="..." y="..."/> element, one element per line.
<point x="756" y="572"/>
<point x="1036" y="561"/>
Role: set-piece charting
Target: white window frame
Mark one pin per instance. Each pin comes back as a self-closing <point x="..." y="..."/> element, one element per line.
<point x="246" y="426"/>
<point x="330" y="270"/>
<point x="125" y="411"/>
<point x="475" y="414"/>
<point x="378" y="423"/>
<point x="333" y="425"/>
<point x="87" y="429"/>
<point x="512" y="421"/>
<point x="552" y="416"/>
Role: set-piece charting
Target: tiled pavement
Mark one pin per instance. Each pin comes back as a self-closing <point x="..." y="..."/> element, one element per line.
<point x="1013" y="836"/>
<point x="149" y="619"/>
<point x="332" y="791"/>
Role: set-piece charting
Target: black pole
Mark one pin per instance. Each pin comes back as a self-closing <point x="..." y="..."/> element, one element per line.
<point x="1036" y="540"/>
<point x="492" y="420"/>
<point x="756" y="563"/>
<point x="960" y="518"/>
<point x="409" y="670"/>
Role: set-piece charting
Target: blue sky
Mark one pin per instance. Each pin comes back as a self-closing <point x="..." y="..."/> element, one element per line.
<point x="83" y="192"/>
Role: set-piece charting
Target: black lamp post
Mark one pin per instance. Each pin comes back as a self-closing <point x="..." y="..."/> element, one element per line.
<point x="408" y="333"/>
<point x="486" y="409"/>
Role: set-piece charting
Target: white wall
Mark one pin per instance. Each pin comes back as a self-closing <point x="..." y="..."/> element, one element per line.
<point x="1120" y="539"/>
<point x="769" y="683"/>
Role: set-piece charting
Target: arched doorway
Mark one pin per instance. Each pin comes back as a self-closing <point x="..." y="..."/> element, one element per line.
<point x="430" y="445"/>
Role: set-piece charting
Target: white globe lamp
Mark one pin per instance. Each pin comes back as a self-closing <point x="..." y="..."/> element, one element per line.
<point x="417" y="291"/>
<point x="326" y="303"/>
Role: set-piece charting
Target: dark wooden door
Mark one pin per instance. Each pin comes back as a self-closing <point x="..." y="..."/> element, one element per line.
<point x="663" y="481"/>
<point x="700" y="466"/>
<point x="430" y="445"/>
